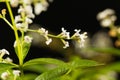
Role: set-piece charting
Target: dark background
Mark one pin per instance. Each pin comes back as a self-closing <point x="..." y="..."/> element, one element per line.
<point x="71" y="14"/>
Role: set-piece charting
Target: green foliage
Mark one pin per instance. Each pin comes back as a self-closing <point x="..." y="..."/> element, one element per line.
<point x="6" y="66"/>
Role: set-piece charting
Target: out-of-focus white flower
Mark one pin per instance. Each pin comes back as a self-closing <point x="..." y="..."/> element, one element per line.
<point x="105" y="13"/>
<point x="21" y="9"/>
<point x="19" y="25"/>
<point x="48" y="41"/>
<point x="109" y="11"/>
<point x="4" y="75"/>
<point x="65" y="34"/>
<point x="14" y="3"/>
<point x="38" y="8"/>
<point x="66" y="44"/>
<point x="3" y="52"/>
<point x="8" y="59"/>
<point x="113" y="18"/>
<point x="29" y="11"/>
<point x="16" y="72"/>
<point x="106" y="22"/>
<point x="18" y="18"/>
<point x="28" y="20"/>
<point x="28" y="39"/>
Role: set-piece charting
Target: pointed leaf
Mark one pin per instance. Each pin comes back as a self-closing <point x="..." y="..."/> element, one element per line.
<point x="25" y="49"/>
<point x="52" y="74"/>
<point x="83" y="63"/>
<point x="44" y="61"/>
<point x="5" y="66"/>
<point x="113" y="51"/>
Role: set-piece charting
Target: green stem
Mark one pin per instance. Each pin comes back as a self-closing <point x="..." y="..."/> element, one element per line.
<point x="8" y="22"/>
<point x="15" y="32"/>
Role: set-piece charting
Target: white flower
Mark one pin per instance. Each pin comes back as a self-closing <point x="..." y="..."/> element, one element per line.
<point x="42" y="31"/>
<point x="65" y="34"/>
<point x="28" y="39"/>
<point x="18" y="18"/>
<point x="77" y="32"/>
<point x="8" y="60"/>
<point x="106" y="22"/>
<point x="14" y="3"/>
<point x="66" y="44"/>
<point x="113" y="18"/>
<point x="29" y="11"/>
<point x="16" y="72"/>
<point x="4" y="75"/>
<point x="28" y="20"/>
<point x="109" y="11"/>
<point x="80" y="37"/>
<point x="19" y="25"/>
<point x="105" y="13"/>
<point x="21" y="9"/>
<point x="38" y="8"/>
<point x="3" y="52"/>
<point x="48" y="41"/>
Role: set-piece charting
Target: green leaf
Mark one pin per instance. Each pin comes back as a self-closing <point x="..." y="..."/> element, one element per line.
<point x="44" y="61"/>
<point x="29" y="76"/>
<point x="6" y="66"/>
<point x="38" y="68"/>
<point x="81" y="63"/>
<point x="113" y="66"/>
<point x="25" y="49"/>
<point x="113" y="51"/>
<point x="53" y="74"/>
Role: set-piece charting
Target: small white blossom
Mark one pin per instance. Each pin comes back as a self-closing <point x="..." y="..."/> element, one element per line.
<point x="28" y="20"/>
<point x="14" y="3"/>
<point x="109" y="11"/>
<point x="48" y="41"/>
<point x="21" y="9"/>
<point x="106" y="22"/>
<point x="66" y="43"/>
<point x="29" y="11"/>
<point x="28" y="39"/>
<point x="8" y="59"/>
<point x="80" y="37"/>
<point x="38" y="8"/>
<point x="43" y="31"/>
<point x="3" y="52"/>
<point x="77" y="32"/>
<point x="16" y="72"/>
<point x="65" y="34"/>
<point x="15" y="44"/>
<point x="113" y="18"/>
<point x="18" y="18"/>
<point x="19" y="25"/>
<point x="4" y="75"/>
<point x="105" y="13"/>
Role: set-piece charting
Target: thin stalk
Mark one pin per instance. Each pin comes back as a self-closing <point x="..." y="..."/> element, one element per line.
<point x="15" y="32"/>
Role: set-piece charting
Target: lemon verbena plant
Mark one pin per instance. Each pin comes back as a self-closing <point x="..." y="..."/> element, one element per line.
<point x="27" y="9"/>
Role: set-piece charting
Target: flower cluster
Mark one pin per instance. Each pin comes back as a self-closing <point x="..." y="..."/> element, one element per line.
<point x="107" y="17"/>
<point x="25" y="12"/>
<point x="6" y="75"/>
